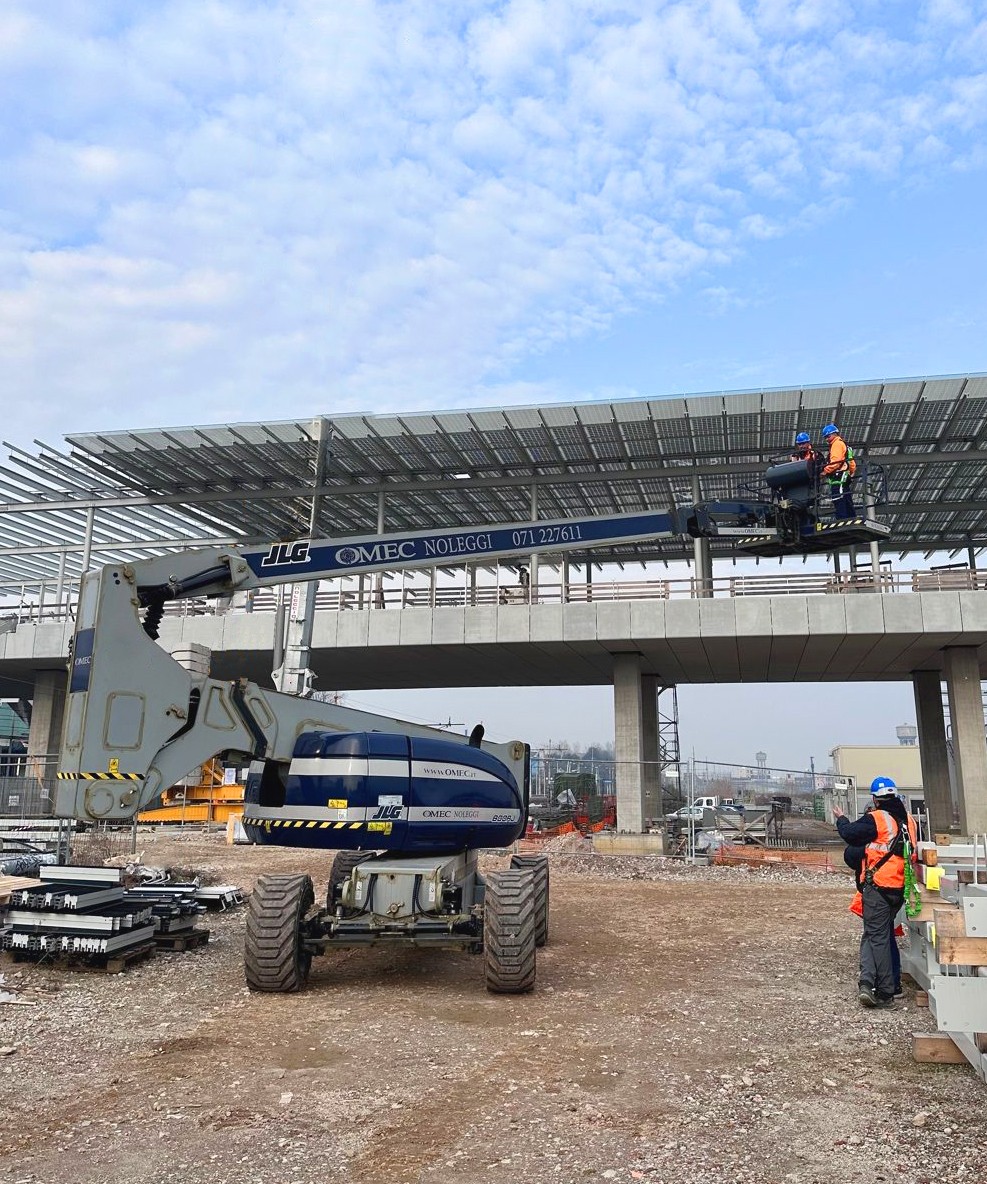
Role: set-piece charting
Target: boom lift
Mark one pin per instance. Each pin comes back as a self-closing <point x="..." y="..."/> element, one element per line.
<point x="792" y="506"/>
<point x="405" y="807"/>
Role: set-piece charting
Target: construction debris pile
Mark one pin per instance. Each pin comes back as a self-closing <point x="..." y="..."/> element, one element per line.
<point x="97" y="912"/>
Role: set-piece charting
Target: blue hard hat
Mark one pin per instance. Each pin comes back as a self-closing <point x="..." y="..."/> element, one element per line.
<point x="883" y="787"/>
<point x="831" y="430"/>
<point x="802" y="438"/>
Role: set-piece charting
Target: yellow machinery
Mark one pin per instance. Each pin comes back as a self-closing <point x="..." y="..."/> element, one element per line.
<point x="209" y="799"/>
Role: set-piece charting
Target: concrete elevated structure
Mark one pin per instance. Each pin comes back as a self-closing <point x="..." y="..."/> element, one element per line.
<point x="638" y="646"/>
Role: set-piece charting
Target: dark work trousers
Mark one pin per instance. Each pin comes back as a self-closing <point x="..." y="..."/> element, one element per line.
<point x="839" y="491"/>
<point x="880" y="908"/>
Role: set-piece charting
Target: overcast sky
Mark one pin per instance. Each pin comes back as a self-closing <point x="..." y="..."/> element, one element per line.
<point x="214" y="210"/>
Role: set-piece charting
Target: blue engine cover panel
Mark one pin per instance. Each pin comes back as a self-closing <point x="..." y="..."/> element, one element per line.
<point x="378" y="791"/>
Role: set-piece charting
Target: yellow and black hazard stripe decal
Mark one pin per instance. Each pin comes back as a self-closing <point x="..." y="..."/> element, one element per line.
<point x="311" y="824"/>
<point x="820" y="526"/>
<point x="100" y="776"/>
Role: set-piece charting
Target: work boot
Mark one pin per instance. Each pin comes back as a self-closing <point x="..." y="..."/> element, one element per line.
<point x="899" y="991"/>
<point x="867" y="996"/>
<point x="885" y="1001"/>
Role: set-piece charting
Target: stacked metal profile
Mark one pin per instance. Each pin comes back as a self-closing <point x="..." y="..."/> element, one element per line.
<point x="87" y="910"/>
<point x="76" y="910"/>
<point x="947" y="950"/>
<point x="174" y="906"/>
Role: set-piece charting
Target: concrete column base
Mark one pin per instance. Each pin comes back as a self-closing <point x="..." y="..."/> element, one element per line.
<point x="628" y="742"/>
<point x="610" y="844"/>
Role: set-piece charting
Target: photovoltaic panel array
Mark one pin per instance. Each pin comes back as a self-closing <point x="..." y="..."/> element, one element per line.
<point x="152" y="490"/>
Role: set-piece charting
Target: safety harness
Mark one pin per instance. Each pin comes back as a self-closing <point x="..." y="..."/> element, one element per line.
<point x="895" y="847"/>
<point x="901" y="846"/>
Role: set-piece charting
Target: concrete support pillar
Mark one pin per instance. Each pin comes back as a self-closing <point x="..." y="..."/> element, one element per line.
<point x="651" y="771"/>
<point x="966" y="713"/>
<point x="628" y="742"/>
<point x="702" y="555"/>
<point x="927" y="687"/>
<point x="44" y="739"/>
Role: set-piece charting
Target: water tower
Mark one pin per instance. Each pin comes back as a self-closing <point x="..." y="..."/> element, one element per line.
<point x="907" y="735"/>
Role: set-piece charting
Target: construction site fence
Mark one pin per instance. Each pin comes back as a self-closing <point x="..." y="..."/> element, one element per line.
<point x="668" y="784"/>
<point x="755" y="781"/>
<point x="101" y="842"/>
<point x="27" y="785"/>
<point x="27" y="815"/>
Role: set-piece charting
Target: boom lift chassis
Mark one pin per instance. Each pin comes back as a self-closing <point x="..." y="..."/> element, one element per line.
<point x="422" y="901"/>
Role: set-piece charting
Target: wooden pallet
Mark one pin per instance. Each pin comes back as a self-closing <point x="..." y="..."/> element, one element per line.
<point x="118" y="963"/>
<point x="186" y="939"/>
<point x="115" y="963"/>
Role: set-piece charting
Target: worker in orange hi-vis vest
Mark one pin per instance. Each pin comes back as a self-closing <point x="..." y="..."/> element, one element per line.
<point x="882" y="833"/>
<point x="839" y="470"/>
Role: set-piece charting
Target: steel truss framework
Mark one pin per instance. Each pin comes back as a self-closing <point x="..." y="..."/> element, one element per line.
<point x="130" y="494"/>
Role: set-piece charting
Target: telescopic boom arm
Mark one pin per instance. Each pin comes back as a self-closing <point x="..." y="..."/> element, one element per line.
<point x="136" y="721"/>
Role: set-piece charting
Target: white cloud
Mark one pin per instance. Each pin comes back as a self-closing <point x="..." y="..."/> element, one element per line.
<point x="211" y="207"/>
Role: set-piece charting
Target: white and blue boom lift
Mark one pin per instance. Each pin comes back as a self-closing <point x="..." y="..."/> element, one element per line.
<point x="405" y="807"/>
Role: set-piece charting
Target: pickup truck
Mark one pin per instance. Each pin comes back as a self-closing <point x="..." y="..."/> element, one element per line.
<point x="700" y="805"/>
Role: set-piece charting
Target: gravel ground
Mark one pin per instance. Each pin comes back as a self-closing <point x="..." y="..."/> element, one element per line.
<point x="688" y="1024"/>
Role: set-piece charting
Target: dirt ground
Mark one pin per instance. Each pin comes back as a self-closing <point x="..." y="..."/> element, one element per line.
<point x="688" y="1025"/>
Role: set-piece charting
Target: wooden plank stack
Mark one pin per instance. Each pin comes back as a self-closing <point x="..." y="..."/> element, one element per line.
<point x="9" y="884"/>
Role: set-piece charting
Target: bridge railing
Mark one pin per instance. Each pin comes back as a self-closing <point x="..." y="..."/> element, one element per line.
<point x="29" y="605"/>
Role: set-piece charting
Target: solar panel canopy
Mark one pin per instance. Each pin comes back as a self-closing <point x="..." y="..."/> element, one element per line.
<point x="142" y="492"/>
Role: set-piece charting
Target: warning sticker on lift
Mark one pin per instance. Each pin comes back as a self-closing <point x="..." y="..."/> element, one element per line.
<point x="380" y="828"/>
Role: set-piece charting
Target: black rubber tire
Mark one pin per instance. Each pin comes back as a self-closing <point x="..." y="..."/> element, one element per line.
<point x="274" y="958"/>
<point x="539" y="865"/>
<point x="509" y="932"/>
<point x="343" y="864"/>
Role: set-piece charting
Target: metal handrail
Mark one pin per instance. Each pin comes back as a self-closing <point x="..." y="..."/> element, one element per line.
<point x="369" y="597"/>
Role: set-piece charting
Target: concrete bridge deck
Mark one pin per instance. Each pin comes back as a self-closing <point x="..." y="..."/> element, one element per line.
<point x="792" y="638"/>
<point x="634" y="645"/>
